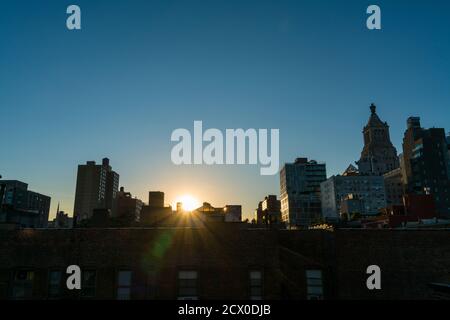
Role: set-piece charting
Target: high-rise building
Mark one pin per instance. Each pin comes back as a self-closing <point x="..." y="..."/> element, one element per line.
<point x="97" y="187"/>
<point x="369" y="190"/>
<point x="24" y="207"/>
<point x="300" y="192"/>
<point x="426" y="162"/>
<point x="378" y="155"/>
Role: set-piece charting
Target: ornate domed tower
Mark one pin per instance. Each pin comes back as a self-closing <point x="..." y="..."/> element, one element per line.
<point x="379" y="155"/>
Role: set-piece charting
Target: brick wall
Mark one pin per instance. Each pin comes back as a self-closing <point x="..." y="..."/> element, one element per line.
<point x="223" y="255"/>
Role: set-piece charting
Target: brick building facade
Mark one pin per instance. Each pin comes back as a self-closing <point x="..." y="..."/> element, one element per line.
<point x="222" y="262"/>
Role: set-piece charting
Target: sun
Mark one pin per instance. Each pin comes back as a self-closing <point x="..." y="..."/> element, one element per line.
<point x="188" y="202"/>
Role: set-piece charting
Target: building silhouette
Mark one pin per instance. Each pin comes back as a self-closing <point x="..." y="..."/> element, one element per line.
<point x="269" y="211"/>
<point x="23" y="207"/>
<point x="426" y="163"/>
<point x="97" y="187"/>
<point x="156" y="213"/>
<point x="300" y="192"/>
<point x="378" y="155"/>
<point x="258" y="215"/>
<point x="179" y="207"/>
<point x="61" y="220"/>
<point x="233" y="213"/>
<point x="156" y="199"/>
<point x="128" y="209"/>
<point x="208" y="213"/>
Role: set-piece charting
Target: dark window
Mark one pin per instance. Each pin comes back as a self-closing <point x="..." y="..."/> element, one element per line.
<point x="187" y="285"/>
<point x="124" y="285"/>
<point x="256" y="285"/>
<point x="54" y="284"/>
<point x="23" y="284"/>
<point x="314" y="284"/>
<point x="88" y="283"/>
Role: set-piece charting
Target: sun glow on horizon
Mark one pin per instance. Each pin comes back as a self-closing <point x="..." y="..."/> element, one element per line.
<point x="188" y="202"/>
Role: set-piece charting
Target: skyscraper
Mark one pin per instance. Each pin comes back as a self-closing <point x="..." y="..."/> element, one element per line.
<point x="378" y="155"/>
<point x="426" y="163"/>
<point x="300" y="192"/>
<point x="97" y="187"/>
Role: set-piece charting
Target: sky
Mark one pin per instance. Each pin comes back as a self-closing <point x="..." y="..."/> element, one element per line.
<point x="137" y="70"/>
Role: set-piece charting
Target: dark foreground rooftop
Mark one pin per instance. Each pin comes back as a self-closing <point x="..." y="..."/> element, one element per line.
<point x="223" y="262"/>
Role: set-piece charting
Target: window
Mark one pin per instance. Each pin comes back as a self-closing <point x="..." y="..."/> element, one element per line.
<point x="124" y="285"/>
<point x="54" y="284"/>
<point x="256" y="285"/>
<point x="314" y="284"/>
<point x="88" y="279"/>
<point x="187" y="285"/>
<point x="23" y="284"/>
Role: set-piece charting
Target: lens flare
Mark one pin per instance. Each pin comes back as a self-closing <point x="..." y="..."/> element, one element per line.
<point x="188" y="202"/>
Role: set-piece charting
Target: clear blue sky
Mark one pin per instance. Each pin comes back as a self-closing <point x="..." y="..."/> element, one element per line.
<point x="139" y="69"/>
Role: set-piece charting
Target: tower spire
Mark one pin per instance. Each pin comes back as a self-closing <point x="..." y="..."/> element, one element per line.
<point x="378" y="155"/>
